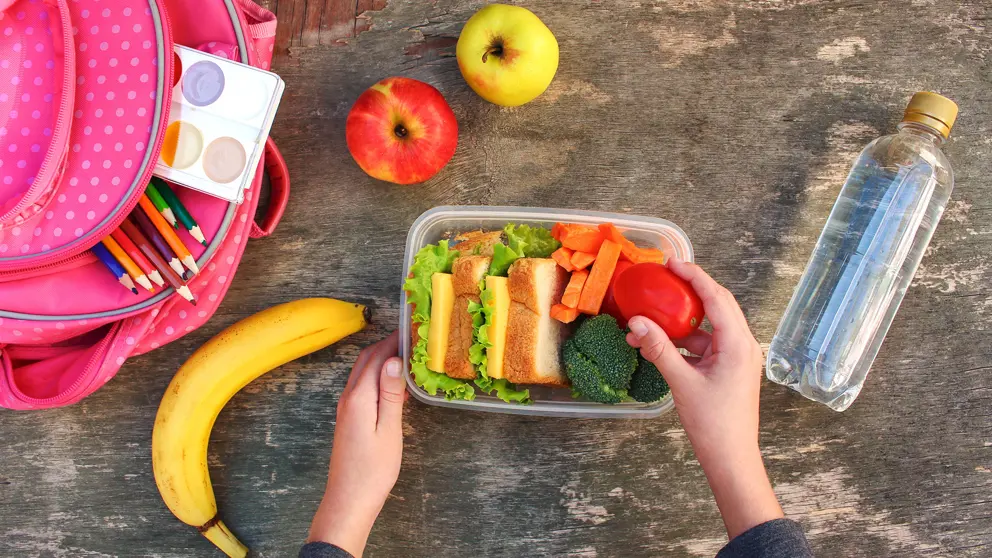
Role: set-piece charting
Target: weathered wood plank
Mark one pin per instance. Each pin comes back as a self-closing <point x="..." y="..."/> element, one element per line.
<point x="738" y="121"/>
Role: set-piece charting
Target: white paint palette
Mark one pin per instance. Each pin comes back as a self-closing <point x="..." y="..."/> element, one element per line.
<point x="219" y="120"/>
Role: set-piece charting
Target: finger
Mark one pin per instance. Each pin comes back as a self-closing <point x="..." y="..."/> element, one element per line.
<point x="657" y="348"/>
<point x="719" y="305"/>
<point x="359" y="366"/>
<point x="392" y="394"/>
<point x="363" y="359"/>
<point x="368" y="380"/>
<point x="696" y="342"/>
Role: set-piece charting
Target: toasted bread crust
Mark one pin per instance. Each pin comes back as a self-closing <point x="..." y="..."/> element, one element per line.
<point x="467" y="272"/>
<point x="533" y="338"/>
<point x="456" y="363"/>
<point x="484" y="241"/>
<point x="525" y="275"/>
<point x="521" y="363"/>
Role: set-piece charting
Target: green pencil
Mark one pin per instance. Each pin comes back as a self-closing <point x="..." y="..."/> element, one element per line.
<point x="160" y="204"/>
<point x="177" y="206"/>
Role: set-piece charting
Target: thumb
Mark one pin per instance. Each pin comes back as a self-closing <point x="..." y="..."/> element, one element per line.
<point x="657" y="348"/>
<point x="392" y="391"/>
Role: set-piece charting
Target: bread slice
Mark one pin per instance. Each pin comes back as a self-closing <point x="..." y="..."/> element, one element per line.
<point x="533" y="338"/>
<point x="467" y="272"/>
<point x="478" y="242"/>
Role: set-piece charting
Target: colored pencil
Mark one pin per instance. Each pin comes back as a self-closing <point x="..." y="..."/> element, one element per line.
<point x="130" y="267"/>
<point x="170" y="235"/>
<point x="152" y="234"/>
<point x="180" y="211"/>
<point x="161" y="205"/>
<point x="149" y="251"/>
<point x="139" y="258"/>
<point x="108" y="260"/>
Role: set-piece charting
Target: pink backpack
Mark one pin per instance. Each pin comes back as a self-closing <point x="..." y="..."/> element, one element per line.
<point x="85" y="89"/>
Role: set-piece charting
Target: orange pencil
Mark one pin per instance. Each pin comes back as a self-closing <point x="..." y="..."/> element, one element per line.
<point x="129" y="266"/>
<point x="170" y="235"/>
<point x="139" y="258"/>
<point x="149" y="251"/>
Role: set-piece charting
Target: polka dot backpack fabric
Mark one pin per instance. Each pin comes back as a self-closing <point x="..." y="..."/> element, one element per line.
<point x="85" y="90"/>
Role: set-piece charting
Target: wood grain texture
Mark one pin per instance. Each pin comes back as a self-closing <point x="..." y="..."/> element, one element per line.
<point x="737" y="120"/>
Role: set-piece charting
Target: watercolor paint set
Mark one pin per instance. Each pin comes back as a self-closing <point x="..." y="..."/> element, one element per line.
<point x="219" y="120"/>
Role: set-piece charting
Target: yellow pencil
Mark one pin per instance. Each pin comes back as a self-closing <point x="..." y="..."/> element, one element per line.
<point x="129" y="266"/>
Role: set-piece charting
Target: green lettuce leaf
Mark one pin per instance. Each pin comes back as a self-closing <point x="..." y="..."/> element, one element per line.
<point x="430" y="259"/>
<point x="530" y="242"/>
<point x="503" y="257"/>
<point x="482" y="315"/>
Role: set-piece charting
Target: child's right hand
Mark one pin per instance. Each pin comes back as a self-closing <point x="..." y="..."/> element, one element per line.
<point x="716" y="396"/>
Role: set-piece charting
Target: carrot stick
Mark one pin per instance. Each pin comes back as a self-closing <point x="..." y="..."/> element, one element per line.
<point x="582" y="238"/>
<point x="628" y="249"/>
<point x="582" y="260"/>
<point x="598" y="282"/>
<point x="564" y="314"/>
<point x="563" y="256"/>
<point x="570" y="297"/>
<point x="647" y="255"/>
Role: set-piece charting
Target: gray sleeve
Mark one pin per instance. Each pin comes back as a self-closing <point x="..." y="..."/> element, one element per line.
<point x="323" y="550"/>
<point x="779" y="538"/>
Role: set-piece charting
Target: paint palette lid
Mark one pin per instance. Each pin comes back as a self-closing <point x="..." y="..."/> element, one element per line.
<point x="219" y="120"/>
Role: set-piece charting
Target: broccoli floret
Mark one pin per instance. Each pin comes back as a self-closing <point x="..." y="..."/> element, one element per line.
<point x="586" y="379"/>
<point x="647" y="385"/>
<point x="601" y="340"/>
<point x="598" y="360"/>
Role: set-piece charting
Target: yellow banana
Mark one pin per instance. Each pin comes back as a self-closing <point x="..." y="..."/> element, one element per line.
<point x="208" y="380"/>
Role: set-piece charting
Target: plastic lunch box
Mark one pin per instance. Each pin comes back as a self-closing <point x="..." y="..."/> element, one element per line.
<point x="446" y="222"/>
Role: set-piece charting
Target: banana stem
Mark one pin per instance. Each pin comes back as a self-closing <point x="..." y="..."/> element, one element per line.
<point x="224" y="539"/>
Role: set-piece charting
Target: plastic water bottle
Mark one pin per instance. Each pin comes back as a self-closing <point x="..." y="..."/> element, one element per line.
<point x="865" y="258"/>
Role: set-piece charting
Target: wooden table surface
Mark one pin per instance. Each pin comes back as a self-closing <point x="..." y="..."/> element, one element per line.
<point x="737" y="120"/>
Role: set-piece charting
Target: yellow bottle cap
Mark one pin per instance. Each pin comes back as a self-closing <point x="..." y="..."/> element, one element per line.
<point x="933" y="110"/>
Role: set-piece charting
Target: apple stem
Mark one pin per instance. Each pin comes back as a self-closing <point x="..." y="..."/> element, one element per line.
<point x="496" y="50"/>
<point x="400" y="131"/>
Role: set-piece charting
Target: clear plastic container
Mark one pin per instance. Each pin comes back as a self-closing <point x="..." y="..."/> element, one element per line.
<point x="445" y="222"/>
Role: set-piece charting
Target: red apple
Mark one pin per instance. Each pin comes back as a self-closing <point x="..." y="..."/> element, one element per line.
<point x="401" y="130"/>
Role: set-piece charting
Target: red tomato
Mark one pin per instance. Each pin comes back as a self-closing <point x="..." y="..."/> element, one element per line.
<point x="652" y="291"/>
<point x="609" y="302"/>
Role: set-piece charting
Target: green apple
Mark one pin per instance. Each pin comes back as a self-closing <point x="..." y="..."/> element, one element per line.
<point x="507" y="54"/>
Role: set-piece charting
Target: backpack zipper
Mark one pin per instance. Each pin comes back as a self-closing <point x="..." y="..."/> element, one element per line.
<point x="77" y="259"/>
<point x="51" y="166"/>
<point x="164" y="100"/>
<point x="93" y="365"/>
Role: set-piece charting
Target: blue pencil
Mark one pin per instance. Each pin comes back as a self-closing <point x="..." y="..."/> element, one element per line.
<point x="114" y="266"/>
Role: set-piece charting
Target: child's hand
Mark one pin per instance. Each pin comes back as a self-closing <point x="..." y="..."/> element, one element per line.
<point x="368" y="448"/>
<point x="716" y="395"/>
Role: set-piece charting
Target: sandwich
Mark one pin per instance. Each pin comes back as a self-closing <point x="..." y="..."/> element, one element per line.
<point x="482" y="314"/>
<point x="533" y="337"/>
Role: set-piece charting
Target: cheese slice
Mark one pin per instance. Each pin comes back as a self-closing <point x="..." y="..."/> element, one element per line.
<point x="500" y="287"/>
<point x="442" y="305"/>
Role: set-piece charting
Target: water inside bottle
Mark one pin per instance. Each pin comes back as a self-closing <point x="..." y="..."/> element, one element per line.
<point x="859" y="271"/>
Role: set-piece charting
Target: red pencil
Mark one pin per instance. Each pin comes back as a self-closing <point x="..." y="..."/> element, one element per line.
<point x="148" y="250"/>
<point x="139" y="258"/>
<point x="170" y="235"/>
<point x="152" y="234"/>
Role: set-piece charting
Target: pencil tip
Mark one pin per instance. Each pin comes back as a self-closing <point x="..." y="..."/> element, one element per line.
<point x="135" y="291"/>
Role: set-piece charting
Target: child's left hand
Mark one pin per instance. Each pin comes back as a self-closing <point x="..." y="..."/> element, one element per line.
<point x="367" y="451"/>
